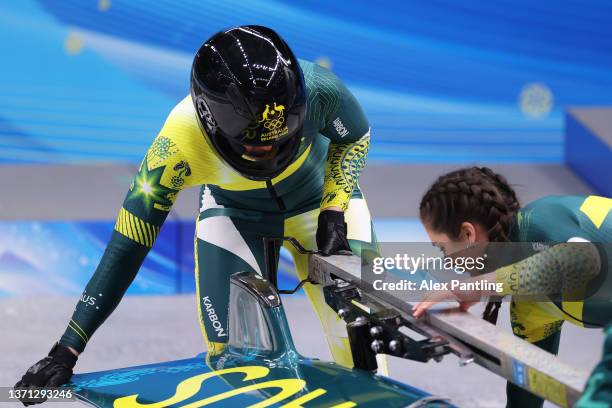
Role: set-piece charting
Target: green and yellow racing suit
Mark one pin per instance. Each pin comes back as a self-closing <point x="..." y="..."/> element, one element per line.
<point x="557" y="220"/>
<point x="235" y="213"/>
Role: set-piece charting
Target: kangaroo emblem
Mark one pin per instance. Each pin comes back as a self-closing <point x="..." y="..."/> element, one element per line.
<point x="270" y="113"/>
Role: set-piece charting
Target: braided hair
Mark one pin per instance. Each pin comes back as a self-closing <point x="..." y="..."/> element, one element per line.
<point x="473" y="194"/>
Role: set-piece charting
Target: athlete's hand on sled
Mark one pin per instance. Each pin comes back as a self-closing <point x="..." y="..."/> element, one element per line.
<point x="52" y="371"/>
<point x="331" y="232"/>
<point x="435" y="297"/>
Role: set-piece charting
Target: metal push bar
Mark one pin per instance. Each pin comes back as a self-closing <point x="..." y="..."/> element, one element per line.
<point x="377" y="322"/>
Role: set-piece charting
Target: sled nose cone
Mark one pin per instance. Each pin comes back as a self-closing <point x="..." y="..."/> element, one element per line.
<point x="257" y="323"/>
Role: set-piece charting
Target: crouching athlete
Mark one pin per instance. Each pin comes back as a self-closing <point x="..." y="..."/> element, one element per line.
<point x="477" y="206"/>
<point x="276" y="146"/>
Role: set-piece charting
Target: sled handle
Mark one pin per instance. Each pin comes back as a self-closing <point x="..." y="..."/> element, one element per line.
<point x="270" y="246"/>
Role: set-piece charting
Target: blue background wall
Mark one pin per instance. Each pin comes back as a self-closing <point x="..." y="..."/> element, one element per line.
<point x="440" y="80"/>
<point x="58" y="258"/>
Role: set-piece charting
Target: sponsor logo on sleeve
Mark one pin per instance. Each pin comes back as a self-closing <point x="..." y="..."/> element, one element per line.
<point x="340" y="128"/>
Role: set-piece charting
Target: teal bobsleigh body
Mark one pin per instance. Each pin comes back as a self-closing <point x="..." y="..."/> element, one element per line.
<point x="259" y="368"/>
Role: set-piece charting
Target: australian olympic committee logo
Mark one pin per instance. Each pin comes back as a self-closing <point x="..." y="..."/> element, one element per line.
<point x="273" y="118"/>
<point x="273" y="121"/>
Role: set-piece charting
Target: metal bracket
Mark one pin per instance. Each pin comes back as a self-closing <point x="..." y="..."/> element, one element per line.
<point x="373" y="328"/>
<point x="271" y="246"/>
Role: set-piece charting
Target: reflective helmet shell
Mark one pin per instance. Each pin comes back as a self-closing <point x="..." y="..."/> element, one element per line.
<point x="248" y="89"/>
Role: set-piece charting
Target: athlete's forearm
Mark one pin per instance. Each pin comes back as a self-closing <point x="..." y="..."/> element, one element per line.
<point x="344" y="165"/>
<point x="130" y="242"/>
<point x="144" y="211"/>
<point x="562" y="269"/>
<point x="116" y="271"/>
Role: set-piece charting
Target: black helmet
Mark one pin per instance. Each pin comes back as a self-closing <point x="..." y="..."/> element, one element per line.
<point x="248" y="89"/>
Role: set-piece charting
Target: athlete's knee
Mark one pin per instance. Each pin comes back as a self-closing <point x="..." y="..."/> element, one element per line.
<point x="215" y="348"/>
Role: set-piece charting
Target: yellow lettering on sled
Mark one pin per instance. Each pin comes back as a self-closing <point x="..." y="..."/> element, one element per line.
<point x="191" y="386"/>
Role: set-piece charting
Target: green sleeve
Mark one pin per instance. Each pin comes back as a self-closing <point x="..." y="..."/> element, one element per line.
<point x="344" y="123"/>
<point x="343" y="119"/>
<point x="140" y="219"/>
<point x="561" y="269"/>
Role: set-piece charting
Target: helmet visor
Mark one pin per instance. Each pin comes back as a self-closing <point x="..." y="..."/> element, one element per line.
<point x="258" y="164"/>
<point x="274" y="122"/>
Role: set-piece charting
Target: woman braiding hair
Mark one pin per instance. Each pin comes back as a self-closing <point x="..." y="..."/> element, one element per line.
<point x="477" y="195"/>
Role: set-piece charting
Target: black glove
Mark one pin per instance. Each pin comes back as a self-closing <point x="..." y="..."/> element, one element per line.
<point x="52" y="371"/>
<point x="331" y="233"/>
